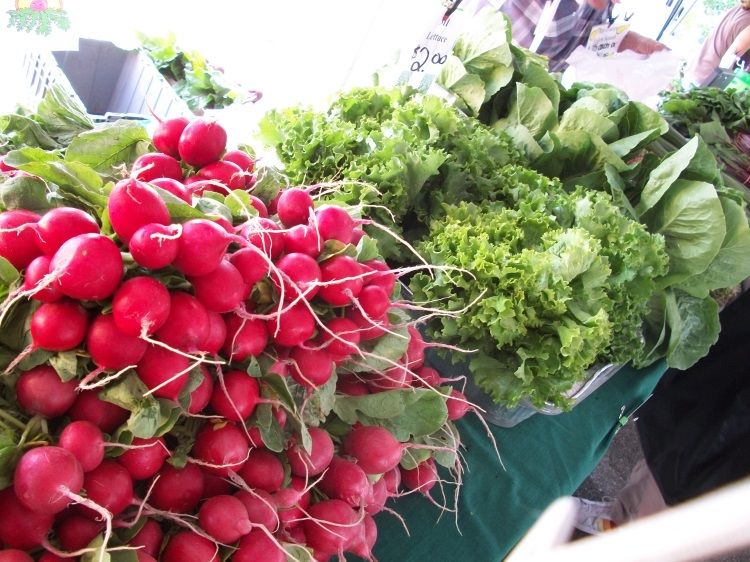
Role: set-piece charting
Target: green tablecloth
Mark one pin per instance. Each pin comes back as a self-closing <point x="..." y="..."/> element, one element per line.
<point x="545" y="457"/>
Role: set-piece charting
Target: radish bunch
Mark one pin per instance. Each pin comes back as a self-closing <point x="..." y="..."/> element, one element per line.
<point x="203" y="389"/>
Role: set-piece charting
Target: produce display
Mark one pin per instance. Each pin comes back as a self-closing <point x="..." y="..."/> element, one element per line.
<point x="645" y="287"/>
<point x="721" y="118"/>
<point x="195" y="373"/>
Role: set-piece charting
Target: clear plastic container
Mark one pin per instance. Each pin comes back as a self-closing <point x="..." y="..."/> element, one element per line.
<point x="502" y="416"/>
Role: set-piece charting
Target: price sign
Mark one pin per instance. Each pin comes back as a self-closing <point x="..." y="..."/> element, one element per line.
<point x="605" y="39"/>
<point x="424" y="61"/>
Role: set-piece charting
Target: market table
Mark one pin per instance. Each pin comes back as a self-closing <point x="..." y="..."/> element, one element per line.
<point x="545" y="457"/>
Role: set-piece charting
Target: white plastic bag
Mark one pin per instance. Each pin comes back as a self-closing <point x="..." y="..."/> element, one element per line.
<point x="641" y="77"/>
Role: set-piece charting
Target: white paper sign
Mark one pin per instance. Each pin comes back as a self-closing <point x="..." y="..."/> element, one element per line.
<point x="423" y="63"/>
<point x="605" y="39"/>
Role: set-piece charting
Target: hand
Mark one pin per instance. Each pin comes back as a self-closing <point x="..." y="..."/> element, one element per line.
<point x="640" y="44"/>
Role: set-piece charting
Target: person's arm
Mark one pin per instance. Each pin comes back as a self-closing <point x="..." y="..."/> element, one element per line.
<point x="738" y="47"/>
<point x="643" y="45"/>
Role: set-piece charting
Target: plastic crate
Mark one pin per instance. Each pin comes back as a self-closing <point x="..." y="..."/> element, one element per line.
<point x="40" y="72"/>
<point x="106" y="80"/>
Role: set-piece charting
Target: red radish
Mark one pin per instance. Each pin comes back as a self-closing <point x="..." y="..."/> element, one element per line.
<point x="392" y="480"/>
<point x="365" y="539"/>
<point x="201" y="142"/>
<point x="357" y="235"/>
<point x="49" y="557"/>
<point x="217" y="333"/>
<point x="58" y="326"/>
<point x="457" y="405"/>
<point x="332" y="526"/>
<point x="60" y="225"/>
<point x="423" y="477"/>
<point x="150" y="537"/>
<point x="141" y="304"/>
<point x="237" y="399"/>
<point x="260" y="507"/>
<point x="274" y="202"/>
<point x="201" y="396"/>
<point x="222" y="290"/>
<point x="351" y="386"/>
<point x="39" y="391"/>
<point x="241" y="158"/>
<point x="14" y="555"/>
<point x="374" y="301"/>
<point x="335" y="291"/>
<point x="186" y="327"/>
<point x="35" y="272"/>
<point x="154" y="245"/>
<point x="251" y="265"/>
<point x="154" y="165"/>
<point x="375" y="448"/>
<point x="132" y="204"/>
<point x="202" y="246"/>
<point x="345" y="481"/>
<point x="427" y="376"/>
<point x="144" y="557"/>
<point x="305" y="464"/>
<point x="304" y="240"/>
<point x="19" y="246"/>
<point x="256" y="546"/>
<point x="87" y="267"/>
<point x="19" y="526"/>
<point x="376" y="498"/>
<point x="145" y="458"/>
<point x="334" y="223"/>
<point x="167" y="135"/>
<point x="385" y="278"/>
<point x="293" y="326"/>
<point x="311" y="367"/>
<point x="345" y="330"/>
<point x="222" y="221"/>
<point x="390" y="379"/>
<point x="227" y="173"/>
<point x="369" y="329"/>
<point x="415" y="350"/>
<point x="104" y="415"/>
<point x="76" y="531"/>
<point x="259" y="206"/>
<point x="178" y="489"/>
<point x="264" y="234"/>
<point x="159" y="365"/>
<point x="176" y="188"/>
<point x="224" y="447"/>
<point x="263" y="470"/>
<point x="294" y="206"/>
<point x="85" y="441"/>
<point x="303" y="276"/>
<point x="5" y="167"/>
<point x="245" y="338"/>
<point x="224" y="518"/>
<point x="215" y="485"/>
<point x="291" y="502"/>
<point x="108" y="485"/>
<point x="45" y="476"/>
<point x="186" y="546"/>
<point x="110" y="348"/>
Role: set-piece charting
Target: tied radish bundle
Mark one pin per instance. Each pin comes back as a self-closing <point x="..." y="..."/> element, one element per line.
<point x="193" y="374"/>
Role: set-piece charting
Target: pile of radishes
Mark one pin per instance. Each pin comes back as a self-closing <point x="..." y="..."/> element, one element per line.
<point x="240" y="331"/>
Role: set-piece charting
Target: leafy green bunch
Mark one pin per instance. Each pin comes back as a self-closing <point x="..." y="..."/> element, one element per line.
<point x="200" y="84"/>
<point x="560" y="281"/>
<point x="397" y="149"/>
